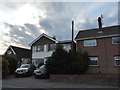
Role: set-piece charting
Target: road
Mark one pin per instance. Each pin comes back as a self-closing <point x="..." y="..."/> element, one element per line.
<point x="31" y="82"/>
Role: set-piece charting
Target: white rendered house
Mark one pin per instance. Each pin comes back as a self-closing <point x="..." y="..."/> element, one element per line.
<point x="43" y="47"/>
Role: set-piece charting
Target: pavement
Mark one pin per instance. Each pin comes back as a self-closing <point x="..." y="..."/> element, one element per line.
<point x="31" y="82"/>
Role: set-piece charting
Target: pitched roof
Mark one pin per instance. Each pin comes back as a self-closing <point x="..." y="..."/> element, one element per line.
<point x="65" y="41"/>
<point x="95" y="33"/>
<point x="19" y="49"/>
<point x="51" y="38"/>
<point x="22" y="52"/>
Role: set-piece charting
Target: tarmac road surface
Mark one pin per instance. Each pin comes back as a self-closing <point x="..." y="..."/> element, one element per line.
<point x="31" y="82"/>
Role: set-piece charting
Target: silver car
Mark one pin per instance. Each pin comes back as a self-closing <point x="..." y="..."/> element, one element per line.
<point x="41" y="72"/>
<point x="23" y="70"/>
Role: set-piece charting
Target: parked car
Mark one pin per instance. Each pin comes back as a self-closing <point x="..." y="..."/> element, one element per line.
<point x="24" y="70"/>
<point x="41" y="72"/>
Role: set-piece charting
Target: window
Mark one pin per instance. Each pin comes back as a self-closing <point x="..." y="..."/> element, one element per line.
<point x="34" y="49"/>
<point x="93" y="61"/>
<point x="67" y="47"/>
<point x="51" y="47"/>
<point x="38" y="61"/>
<point x="25" y="60"/>
<point x="9" y="52"/>
<point x="116" y="40"/>
<point x="117" y="60"/>
<point x="88" y="43"/>
<point x="40" y="48"/>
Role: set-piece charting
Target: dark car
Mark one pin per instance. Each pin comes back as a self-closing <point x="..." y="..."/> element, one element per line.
<point x="41" y="73"/>
<point x="24" y="70"/>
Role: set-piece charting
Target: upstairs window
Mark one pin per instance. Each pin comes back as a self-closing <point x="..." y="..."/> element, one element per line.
<point x="93" y="61"/>
<point x="67" y="47"/>
<point x="9" y="52"/>
<point x="88" y="43"/>
<point x="116" y="40"/>
<point x="40" y="48"/>
<point x="51" y="47"/>
<point x="34" y="49"/>
<point x="117" y="60"/>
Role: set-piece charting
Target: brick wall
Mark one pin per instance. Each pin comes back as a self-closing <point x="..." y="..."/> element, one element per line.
<point x="105" y="51"/>
<point x="86" y="79"/>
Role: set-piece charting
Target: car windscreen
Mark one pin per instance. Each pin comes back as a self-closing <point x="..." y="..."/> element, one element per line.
<point x="25" y="66"/>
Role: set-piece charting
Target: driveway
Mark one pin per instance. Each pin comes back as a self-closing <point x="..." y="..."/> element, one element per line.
<point x="31" y="82"/>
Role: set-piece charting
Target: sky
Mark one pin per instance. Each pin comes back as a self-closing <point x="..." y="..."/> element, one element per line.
<point x="23" y="21"/>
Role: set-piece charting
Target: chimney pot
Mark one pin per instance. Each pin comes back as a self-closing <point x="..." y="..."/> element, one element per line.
<point x="100" y="23"/>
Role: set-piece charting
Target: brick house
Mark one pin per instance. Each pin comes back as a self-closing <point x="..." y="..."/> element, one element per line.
<point x="102" y="46"/>
<point x="43" y="47"/>
<point x="22" y="55"/>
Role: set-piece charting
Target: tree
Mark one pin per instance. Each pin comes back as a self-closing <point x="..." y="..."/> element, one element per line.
<point x="62" y="62"/>
<point x="12" y="63"/>
<point x="5" y="69"/>
<point x="56" y="64"/>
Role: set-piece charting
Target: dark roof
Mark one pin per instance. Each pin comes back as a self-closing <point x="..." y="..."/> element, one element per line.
<point x="90" y="33"/>
<point x="65" y="41"/>
<point x="21" y="51"/>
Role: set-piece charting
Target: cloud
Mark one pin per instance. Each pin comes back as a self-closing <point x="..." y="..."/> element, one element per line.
<point x="53" y="18"/>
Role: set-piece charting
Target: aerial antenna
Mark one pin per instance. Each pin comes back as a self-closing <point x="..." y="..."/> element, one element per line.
<point x="102" y="19"/>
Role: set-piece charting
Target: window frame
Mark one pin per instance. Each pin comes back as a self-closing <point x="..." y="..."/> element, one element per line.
<point x="94" y="60"/>
<point x="118" y="59"/>
<point x="67" y="47"/>
<point x="9" y="52"/>
<point x="25" y="60"/>
<point x="113" y="39"/>
<point x="50" y="47"/>
<point x="40" y="50"/>
<point x="89" y="41"/>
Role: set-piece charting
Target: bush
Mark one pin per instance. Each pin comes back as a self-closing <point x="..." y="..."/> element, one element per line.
<point x="12" y="64"/>
<point x="79" y="62"/>
<point x="5" y="69"/>
<point x="62" y="62"/>
<point x="40" y="64"/>
<point x="56" y="64"/>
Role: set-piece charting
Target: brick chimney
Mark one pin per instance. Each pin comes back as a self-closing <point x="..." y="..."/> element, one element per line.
<point x="100" y="24"/>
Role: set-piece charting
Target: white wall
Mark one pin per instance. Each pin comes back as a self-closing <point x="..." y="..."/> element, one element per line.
<point x="41" y="54"/>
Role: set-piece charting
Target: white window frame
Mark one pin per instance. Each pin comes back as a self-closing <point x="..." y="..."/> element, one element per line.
<point x="25" y="60"/>
<point x="40" y="49"/>
<point x="53" y="47"/>
<point x="9" y="52"/>
<point x="115" y="59"/>
<point x="114" y="38"/>
<point x="90" y="41"/>
<point x="34" y="49"/>
<point x="67" y="47"/>
<point x="94" y="60"/>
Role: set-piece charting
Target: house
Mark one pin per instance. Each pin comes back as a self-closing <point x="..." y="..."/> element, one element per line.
<point x="102" y="45"/>
<point x="43" y="47"/>
<point x="23" y="55"/>
<point x="67" y="45"/>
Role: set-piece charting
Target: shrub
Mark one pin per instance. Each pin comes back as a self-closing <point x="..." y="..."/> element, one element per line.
<point x="40" y="64"/>
<point x="5" y="69"/>
<point x="56" y="64"/>
<point x="62" y="62"/>
<point x="12" y="64"/>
